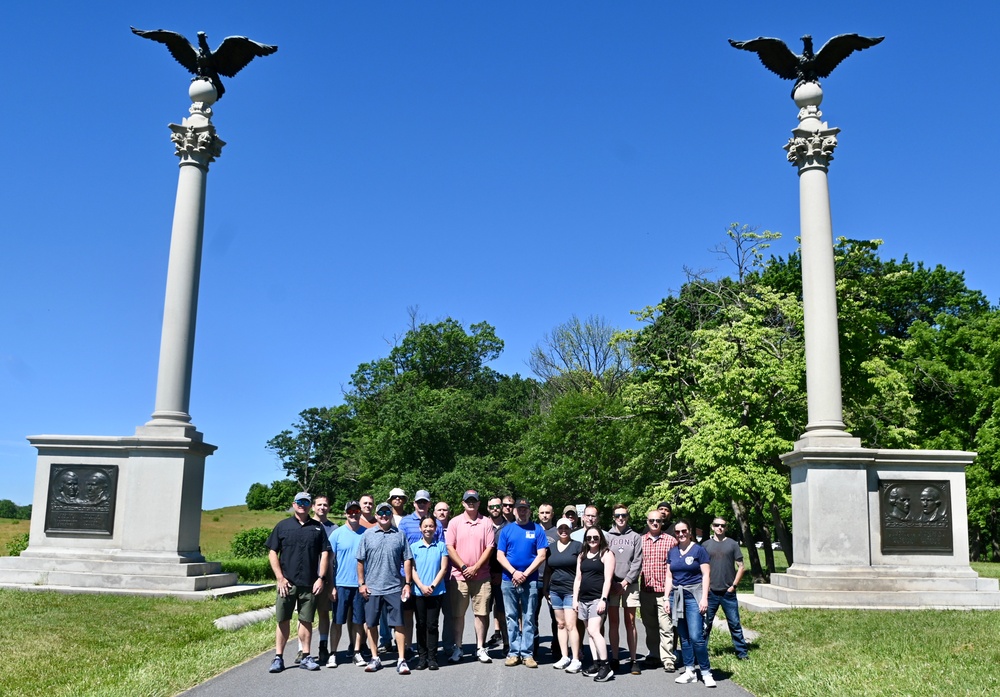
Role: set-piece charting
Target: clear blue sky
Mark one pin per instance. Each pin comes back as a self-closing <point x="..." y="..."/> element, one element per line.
<point x="513" y="162"/>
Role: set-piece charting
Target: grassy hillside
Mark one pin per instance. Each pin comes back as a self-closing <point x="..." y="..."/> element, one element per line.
<point x="9" y="529"/>
<point x="218" y="527"/>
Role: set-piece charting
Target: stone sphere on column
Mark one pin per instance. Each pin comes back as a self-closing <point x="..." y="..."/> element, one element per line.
<point x="202" y="90"/>
<point x="808" y="94"/>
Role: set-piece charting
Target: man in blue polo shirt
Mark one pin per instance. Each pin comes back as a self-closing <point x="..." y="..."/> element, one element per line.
<point x="521" y="549"/>
<point x="348" y="605"/>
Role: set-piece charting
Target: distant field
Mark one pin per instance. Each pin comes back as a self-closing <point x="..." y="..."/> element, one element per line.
<point x="218" y="527"/>
<point x="9" y="529"/>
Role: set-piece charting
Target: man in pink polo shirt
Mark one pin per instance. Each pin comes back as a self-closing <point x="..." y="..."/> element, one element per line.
<point x="470" y="544"/>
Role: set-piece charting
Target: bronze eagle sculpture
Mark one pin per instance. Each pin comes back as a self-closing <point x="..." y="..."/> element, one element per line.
<point x="232" y="55"/>
<point x="808" y="67"/>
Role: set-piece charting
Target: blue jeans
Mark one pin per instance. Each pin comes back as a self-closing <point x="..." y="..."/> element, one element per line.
<point x="731" y="609"/>
<point x="691" y="629"/>
<point x="519" y="604"/>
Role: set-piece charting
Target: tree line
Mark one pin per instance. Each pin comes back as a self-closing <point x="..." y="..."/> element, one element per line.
<point x="694" y="405"/>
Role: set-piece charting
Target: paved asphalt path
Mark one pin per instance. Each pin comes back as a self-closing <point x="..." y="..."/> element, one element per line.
<point x="453" y="680"/>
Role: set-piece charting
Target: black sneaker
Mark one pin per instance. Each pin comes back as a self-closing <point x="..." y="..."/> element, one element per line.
<point x="604" y="673"/>
<point x="277" y="665"/>
<point x="432" y="664"/>
<point x="635" y="669"/>
<point x="494" y="641"/>
<point x="590" y="671"/>
<point x="421" y="664"/>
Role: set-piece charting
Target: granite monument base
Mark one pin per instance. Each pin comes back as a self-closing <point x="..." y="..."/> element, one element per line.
<point x="121" y="515"/>
<point x="877" y="529"/>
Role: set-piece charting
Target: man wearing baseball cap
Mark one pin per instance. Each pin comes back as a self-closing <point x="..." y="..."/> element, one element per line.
<point x="348" y="604"/>
<point x="470" y="539"/>
<point x="521" y="549"/>
<point x="299" y="553"/>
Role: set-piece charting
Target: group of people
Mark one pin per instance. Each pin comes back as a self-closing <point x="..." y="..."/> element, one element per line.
<point x="386" y="568"/>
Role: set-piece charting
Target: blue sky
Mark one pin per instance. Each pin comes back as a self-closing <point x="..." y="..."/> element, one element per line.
<point x="514" y="162"/>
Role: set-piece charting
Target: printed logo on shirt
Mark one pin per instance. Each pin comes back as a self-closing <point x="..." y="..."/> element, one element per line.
<point x="689" y="560"/>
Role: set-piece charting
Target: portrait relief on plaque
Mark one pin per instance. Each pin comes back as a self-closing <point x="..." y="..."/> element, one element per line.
<point x="915" y="516"/>
<point x="81" y="499"/>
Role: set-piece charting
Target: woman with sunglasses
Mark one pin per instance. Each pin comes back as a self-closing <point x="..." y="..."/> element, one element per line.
<point x="560" y="577"/>
<point x="595" y="570"/>
<point x="687" y="601"/>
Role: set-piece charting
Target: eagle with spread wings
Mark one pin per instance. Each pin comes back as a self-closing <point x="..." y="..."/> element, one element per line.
<point x="808" y="67"/>
<point x="232" y="55"/>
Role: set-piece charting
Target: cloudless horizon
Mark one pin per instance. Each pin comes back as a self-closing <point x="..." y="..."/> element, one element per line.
<point x="515" y="163"/>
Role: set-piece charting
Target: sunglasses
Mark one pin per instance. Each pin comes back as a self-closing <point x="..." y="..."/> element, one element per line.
<point x="354" y="511"/>
<point x="621" y="515"/>
<point x="680" y="532"/>
<point x="302" y="503"/>
<point x="718" y="525"/>
<point x="508" y="505"/>
<point x="654" y="521"/>
<point x="383" y="513"/>
<point x="493" y="506"/>
<point x="591" y="538"/>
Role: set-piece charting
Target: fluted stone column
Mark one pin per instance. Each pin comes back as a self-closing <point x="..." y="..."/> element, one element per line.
<point x="197" y="145"/>
<point x="811" y="149"/>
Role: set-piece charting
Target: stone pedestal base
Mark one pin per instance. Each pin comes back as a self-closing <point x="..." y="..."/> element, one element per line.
<point x="124" y="515"/>
<point x="841" y="511"/>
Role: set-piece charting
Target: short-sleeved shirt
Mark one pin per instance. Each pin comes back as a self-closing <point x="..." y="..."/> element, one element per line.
<point x="520" y="544"/>
<point x="427" y="563"/>
<point x="344" y="543"/>
<point x="562" y="566"/>
<point x="654" y="562"/>
<point x="299" y="547"/>
<point x="722" y="556"/>
<point x="382" y="551"/>
<point x="470" y="538"/>
<point x="686" y="568"/>
<point x="409" y="525"/>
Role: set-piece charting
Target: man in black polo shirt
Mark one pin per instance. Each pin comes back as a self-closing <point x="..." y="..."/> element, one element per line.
<point x="299" y="555"/>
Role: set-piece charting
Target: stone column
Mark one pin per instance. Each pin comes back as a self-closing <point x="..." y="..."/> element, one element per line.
<point x="196" y="145"/>
<point x="811" y="150"/>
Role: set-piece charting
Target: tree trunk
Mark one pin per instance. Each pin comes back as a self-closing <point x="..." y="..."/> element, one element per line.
<point x="782" y="532"/>
<point x="739" y="513"/>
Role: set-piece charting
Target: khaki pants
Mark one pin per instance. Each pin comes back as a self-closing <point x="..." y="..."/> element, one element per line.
<point x="659" y="629"/>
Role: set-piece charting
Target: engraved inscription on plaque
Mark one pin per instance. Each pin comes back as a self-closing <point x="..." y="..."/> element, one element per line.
<point x="915" y="516"/>
<point x="82" y="499"/>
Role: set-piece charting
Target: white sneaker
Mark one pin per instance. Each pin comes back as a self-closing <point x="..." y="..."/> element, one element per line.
<point x="561" y="663"/>
<point x="456" y="654"/>
<point x="483" y="656"/>
<point x="402" y="668"/>
<point x="359" y="660"/>
<point x="574" y="666"/>
<point x="687" y="676"/>
<point x="706" y="677"/>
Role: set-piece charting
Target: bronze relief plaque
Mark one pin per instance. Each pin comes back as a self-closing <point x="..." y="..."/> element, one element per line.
<point x="915" y="516"/>
<point x="81" y="499"/>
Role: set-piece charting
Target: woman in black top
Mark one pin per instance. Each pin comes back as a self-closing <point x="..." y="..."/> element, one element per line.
<point x="560" y="575"/>
<point x="594" y="573"/>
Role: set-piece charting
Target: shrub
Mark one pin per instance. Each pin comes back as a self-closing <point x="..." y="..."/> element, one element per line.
<point x="250" y="543"/>
<point x="17" y="545"/>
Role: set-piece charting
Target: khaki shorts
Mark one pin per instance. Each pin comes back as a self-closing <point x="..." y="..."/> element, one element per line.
<point x="300" y="597"/>
<point x="463" y="592"/>
<point x="629" y="598"/>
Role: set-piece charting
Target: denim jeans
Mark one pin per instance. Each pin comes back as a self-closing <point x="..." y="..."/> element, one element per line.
<point x="691" y="629"/>
<point x="731" y="609"/>
<point x="519" y="604"/>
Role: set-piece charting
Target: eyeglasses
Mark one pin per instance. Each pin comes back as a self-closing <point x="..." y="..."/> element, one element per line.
<point x="354" y="511"/>
<point x="397" y="497"/>
<point x="718" y="525"/>
<point x="302" y="503"/>
<point x="654" y="521"/>
<point x="680" y="532"/>
<point x="592" y="538"/>
<point x="383" y="513"/>
<point x="621" y="515"/>
<point x="508" y="505"/>
<point x="493" y="506"/>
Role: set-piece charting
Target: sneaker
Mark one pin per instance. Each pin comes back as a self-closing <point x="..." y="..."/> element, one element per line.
<point x="483" y="656"/>
<point x="456" y="655"/>
<point x="308" y="663"/>
<point x="512" y="661"/>
<point x="530" y="662"/>
<point x="299" y="656"/>
<point x="373" y="665"/>
<point x="706" y="677"/>
<point x="590" y="671"/>
<point x="324" y="657"/>
<point x="432" y="664"/>
<point x="687" y="676"/>
<point x="574" y="666"/>
<point x="604" y="673"/>
<point x="634" y="669"/>
<point x="382" y="648"/>
<point x="277" y="665"/>
<point x="494" y="641"/>
<point x="669" y="668"/>
<point x="421" y="664"/>
<point x="561" y="663"/>
<point x="359" y="660"/>
<point x="402" y="668"/>
<point x="615" y="665"/>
